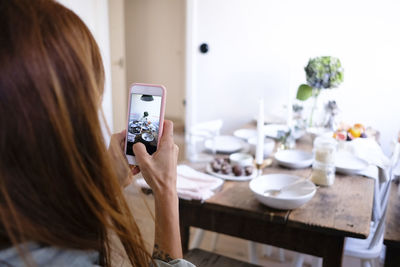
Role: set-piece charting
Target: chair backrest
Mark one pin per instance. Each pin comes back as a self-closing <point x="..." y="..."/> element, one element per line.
<point x="395" y="156"/>
<point x="207" y="128"/>
<point x="379" y="231"/>
<point x="384" y="192"/>
<point x="198" y="134"/>
<point x="381" y="185"/>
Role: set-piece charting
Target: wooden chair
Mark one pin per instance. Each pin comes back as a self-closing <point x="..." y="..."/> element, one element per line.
<point x="198" y="134"/>
<point x="202" y="258"/>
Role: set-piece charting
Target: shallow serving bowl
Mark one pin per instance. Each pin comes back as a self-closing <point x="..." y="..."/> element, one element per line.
<point x="294" y="159"/>
<point x="290" y="198"/>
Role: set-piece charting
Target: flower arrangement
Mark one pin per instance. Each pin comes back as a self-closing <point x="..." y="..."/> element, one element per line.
<point x="321" y="73"/>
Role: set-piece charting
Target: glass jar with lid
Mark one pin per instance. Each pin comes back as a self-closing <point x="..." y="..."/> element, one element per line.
<point x="323" y="172"/>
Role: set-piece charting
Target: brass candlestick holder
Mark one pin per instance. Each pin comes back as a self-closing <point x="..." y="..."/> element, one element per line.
<point x="266" y="163"/>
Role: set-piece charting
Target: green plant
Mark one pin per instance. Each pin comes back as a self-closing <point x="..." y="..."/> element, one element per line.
<point x="321" y="73"/>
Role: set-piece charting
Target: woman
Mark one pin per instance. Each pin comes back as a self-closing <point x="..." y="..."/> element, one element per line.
<point x="60" y="189"/>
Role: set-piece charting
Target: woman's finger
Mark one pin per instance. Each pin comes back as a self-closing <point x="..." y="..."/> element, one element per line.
<point x="168" y="131"/>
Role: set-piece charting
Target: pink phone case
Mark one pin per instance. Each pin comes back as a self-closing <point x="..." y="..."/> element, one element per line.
<point x="162" y="110"/>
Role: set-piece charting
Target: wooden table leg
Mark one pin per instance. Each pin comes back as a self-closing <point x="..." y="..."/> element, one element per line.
<point x="185" y="234"/>
<point x="392" y="258"/>
<point x="329" y="247"/>
<point x="333" y="253"/>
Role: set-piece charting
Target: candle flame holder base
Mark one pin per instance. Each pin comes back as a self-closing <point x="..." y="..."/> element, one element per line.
<point x="266" y="163"/>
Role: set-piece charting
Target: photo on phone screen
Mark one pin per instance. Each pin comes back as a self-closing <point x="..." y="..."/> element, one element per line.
<point x="144" y="122"/>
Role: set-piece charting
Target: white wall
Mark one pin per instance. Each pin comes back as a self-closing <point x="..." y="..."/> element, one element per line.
<point x="118" y="63"/>
<point x="259" y="48"/>
<point x="155" y="43"/>
<point x="95" y="15"/>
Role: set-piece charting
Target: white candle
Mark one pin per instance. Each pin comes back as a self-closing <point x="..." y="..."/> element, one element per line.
<point x="289" y="110"/>
<point x="260" y="133"/>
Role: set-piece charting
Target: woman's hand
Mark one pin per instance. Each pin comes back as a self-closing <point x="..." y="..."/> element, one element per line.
<point x="116" y="150"/>
<point x="159" y="169"/>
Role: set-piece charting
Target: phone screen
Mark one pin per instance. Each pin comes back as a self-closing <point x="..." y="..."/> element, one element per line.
<point x="144" y="122"/>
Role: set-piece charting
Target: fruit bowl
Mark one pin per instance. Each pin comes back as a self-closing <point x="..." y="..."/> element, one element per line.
<point x="347" y="132"/>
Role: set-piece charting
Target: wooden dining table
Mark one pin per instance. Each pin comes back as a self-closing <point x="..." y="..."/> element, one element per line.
<point x="392" y="229"/>
<point x="318" y="228"/>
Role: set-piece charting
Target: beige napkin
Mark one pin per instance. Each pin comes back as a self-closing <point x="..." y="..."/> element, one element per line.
<point x="192" y="184"/>
<point x="370" y="151"/>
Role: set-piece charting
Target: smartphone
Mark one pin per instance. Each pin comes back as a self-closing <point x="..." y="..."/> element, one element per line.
<point x="146" y="107"/>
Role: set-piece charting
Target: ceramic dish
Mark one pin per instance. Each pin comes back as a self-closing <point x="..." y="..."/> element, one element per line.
<point x="277" y="130"/>
<point x="241" y="159"/>
<point x="294" y="159"/>
<point x="230" y="177"/>
<point x="224" y="144"/>
<point x="245" y="134"/>
<point x="290" y="198"/>
<point x="348" y="163"/>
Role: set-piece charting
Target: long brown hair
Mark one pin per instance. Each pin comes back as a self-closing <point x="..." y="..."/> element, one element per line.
<point x="58" y="185"/>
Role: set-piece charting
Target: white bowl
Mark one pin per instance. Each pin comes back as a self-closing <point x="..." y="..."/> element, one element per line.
<point x="242" y="159"/>
<point x="294" y="159"/>
<point x="290" y="198"/>
<point x="269" y="145"/>
<point x="245" y="134"/>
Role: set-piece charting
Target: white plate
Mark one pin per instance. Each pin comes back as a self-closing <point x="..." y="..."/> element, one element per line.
<point x="245" y="134"/>
<point x="273" y="130"/>
<point x="230" y="177"/>
<point x="290" y="198"/>
<point x="348" y="163"/>
<point x="224" y="144"/>
<point x="294" y="159"/>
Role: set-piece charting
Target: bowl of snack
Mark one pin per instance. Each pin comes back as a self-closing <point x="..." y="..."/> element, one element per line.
<point x="225" y="169"/>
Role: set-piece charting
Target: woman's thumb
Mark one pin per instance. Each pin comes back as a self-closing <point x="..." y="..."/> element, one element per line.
<point x="140" y="152"/>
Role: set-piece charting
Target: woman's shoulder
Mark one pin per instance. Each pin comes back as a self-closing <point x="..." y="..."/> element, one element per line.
<point x="174" y="263"/>
<point x="45" y="256"/>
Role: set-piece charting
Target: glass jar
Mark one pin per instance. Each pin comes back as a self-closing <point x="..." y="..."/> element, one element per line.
<point x="323" y="172"/>
<point x="325" y="150"/>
